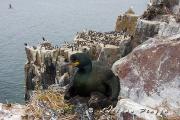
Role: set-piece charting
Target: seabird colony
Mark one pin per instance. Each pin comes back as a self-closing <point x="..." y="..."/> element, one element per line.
<point x="111" y="38"/>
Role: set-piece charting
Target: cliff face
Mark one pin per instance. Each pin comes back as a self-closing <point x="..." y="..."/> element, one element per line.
<point x="126" y="22"/>
<point x="46" y="64"/>
<point x="150" y="74"/>
<point x="169" y="29"/>
<point x="160" y="19"/>
<point x="144" y="30"/>
<point x="12" y="112"/>
<point x="48" y="73"/>
<point x="169" y="3"/>
<point x="40" y="67"/>
<point x="107" y="47"/>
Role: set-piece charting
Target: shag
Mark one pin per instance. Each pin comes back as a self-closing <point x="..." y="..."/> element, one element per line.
<point x="25" y="44"/>
<point x="92" y="77"/>
<point x="43" y="39"/>
<point x="10" y="6"/>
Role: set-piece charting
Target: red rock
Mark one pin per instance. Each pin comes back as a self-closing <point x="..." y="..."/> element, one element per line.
<point x="150" y="74"/>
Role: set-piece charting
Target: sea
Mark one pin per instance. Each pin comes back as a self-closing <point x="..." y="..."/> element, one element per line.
<point x="56" y="20"/>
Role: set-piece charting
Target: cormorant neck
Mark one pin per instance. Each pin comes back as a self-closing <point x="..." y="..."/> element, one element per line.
<point x="86" y="69"/>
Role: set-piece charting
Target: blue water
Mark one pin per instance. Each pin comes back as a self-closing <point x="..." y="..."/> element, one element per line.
<point x="56" y="20"/>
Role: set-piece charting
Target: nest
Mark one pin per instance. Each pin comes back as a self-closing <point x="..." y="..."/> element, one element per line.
<point x="48" y="104"/>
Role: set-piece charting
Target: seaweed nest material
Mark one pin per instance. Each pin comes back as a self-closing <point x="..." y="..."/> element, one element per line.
<point x="48" y="104"/>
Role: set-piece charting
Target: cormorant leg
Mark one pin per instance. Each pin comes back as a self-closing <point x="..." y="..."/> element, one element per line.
<point x="114" y="85"/>
<point x="70" y="93"/>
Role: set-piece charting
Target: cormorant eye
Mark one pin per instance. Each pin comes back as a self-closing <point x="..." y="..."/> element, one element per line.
<point x="73" y="58"/>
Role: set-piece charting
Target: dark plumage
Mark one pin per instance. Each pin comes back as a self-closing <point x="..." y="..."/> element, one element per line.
<point x="92" y="78"/>
<point x="25" y="44"/>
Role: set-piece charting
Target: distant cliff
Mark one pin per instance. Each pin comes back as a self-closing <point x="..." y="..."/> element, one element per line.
<point x="127" y="22"/>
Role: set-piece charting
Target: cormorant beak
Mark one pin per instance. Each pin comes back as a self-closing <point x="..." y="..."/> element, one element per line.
<point x="75" y="64"/>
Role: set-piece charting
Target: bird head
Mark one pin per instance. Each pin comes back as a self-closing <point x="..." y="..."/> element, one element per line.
<point x="81" y="61"/>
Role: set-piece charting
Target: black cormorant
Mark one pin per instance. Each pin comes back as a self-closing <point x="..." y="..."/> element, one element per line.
<point x="25" y="44"/>
<point x="92" y="78"/>
<point x="10" y="6"/>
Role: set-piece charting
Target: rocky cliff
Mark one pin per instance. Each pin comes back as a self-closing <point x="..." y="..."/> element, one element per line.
<point x="161" y="17"/>
<point x="12" y="111"/>
<point x="143" y="53"/>
<point x="127" y="22"/>
<point x="150" y="74"/>
<point x="46" y="64"/>
<point x="48" y="67"/>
